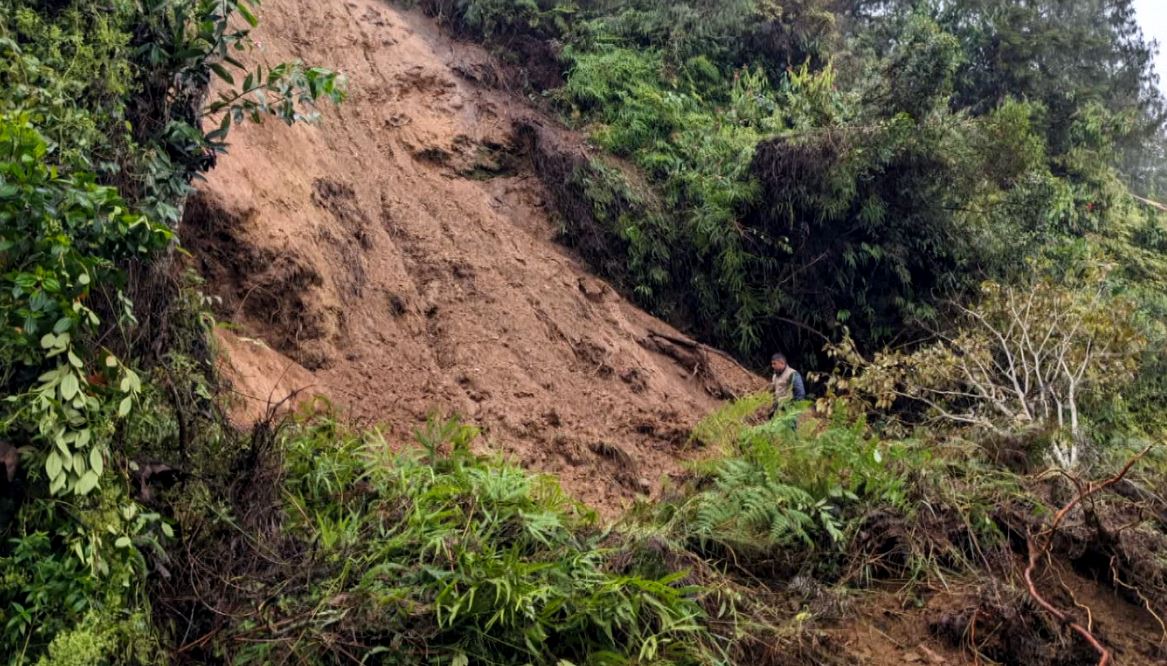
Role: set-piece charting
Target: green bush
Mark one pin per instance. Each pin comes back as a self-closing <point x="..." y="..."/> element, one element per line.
<point x="100" y="114"/>
<point x="436" y="553"/>
<point x="781" y="486"/>
<point x="501" y="19"/>
<point x="61" y="237"/>
<point x="72" y="585"/>
<point x="830" y="497"/>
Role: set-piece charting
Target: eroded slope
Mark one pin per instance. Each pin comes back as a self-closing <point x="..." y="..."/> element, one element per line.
<point x="400" y="258"/>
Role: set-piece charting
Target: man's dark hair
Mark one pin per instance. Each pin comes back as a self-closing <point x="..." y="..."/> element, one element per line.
<point x="778" y="357"/>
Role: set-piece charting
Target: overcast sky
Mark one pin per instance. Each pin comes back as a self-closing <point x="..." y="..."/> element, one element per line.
<point x="1153" y="17"/>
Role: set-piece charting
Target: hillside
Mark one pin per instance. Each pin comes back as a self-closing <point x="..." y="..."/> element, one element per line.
<point x="401" y="257"/>
<point x="434" y="332"/>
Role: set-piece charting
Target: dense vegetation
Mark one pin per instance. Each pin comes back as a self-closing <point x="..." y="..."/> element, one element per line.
<point x="100" y="136"/>
<point x="940" y="191"/>
<point x="845" y="163"/>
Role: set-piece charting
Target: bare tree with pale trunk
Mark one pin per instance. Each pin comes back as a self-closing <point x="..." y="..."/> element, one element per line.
<point x="1023" y="357"/>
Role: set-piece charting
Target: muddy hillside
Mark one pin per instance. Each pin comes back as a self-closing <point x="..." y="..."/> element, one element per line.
<point x="399" y="258"/>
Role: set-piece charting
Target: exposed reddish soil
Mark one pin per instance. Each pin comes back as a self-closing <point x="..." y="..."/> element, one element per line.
<point x="398" y="258"/>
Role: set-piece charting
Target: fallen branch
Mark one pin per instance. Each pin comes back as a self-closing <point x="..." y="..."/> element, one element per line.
<point x="705" y="350"/>
<point x="1046" y="536"/>
<point x="677" y="340"/>
<point x="1153" y="204"/>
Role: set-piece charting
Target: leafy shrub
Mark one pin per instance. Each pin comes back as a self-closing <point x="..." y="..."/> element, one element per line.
<point x="804" y="494"/>
<point x="781" y="487"/>
<point x="62" y="236"/>
<point x="71" y="588"/>
<point x="1035" y="358"/>
<point x="100" y="137"/>
<point x="436" y="553"/>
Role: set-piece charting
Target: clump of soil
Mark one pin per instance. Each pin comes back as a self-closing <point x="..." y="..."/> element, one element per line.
<point x="276" y="289"/>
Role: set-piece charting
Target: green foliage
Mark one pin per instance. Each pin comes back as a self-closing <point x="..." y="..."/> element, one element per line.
<point x="181" y="45"/>
<point x="919" y="73"/>
<point x="1063" y="56"/>
<point x="832" y="498"/>
<point x="714" y="35"/>
<point x="65" y="235"/>
<point x="100" y="136"/>
<point x="440" y="554"/>
<point x="720" y="430"/>
<point x="800" y="194"/>
<point x="499" y="19"/>
<point x="62" y="236"/>
<point x="782" y="486"/>
<point x="72" y="589"/>
<point x="1040" y="357"/>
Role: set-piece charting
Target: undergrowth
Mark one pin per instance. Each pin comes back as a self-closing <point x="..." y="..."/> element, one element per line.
<point x="434" y="553"/>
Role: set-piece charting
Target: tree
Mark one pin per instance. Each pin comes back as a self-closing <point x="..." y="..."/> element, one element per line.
<point x="1064" y="54"/>
<point x="1025" y="357"/>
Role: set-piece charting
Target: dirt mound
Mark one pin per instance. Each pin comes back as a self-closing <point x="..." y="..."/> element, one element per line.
<point x="399" y="258"/>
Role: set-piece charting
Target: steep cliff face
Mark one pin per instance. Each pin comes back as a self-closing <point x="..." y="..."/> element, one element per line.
<point x="399" y="258"/>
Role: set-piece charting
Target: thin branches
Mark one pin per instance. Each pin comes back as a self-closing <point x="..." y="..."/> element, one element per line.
<point x="1039" y="546"/>
<point x="1022" y="358"/>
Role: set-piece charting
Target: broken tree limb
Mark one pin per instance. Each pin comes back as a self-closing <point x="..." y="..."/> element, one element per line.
<point x="693" y="344"/>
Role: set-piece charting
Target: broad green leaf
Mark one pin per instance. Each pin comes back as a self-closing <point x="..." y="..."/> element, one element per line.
<point x="123" y="542"/>
<point x="96" y="461"/>
<point x="124" y="406"/>
<point x="86" y="483"/>
<point x="69" y="386"/>
<point x="53" y="465"/>
<point x="222" y="72"/>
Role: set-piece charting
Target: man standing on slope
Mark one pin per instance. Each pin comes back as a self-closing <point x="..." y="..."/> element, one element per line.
<point x="786" y="381"/>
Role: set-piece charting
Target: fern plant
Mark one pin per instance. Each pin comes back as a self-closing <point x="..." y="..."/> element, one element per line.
<point x="779" y="487"/>
<point x="435" y="553"/>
